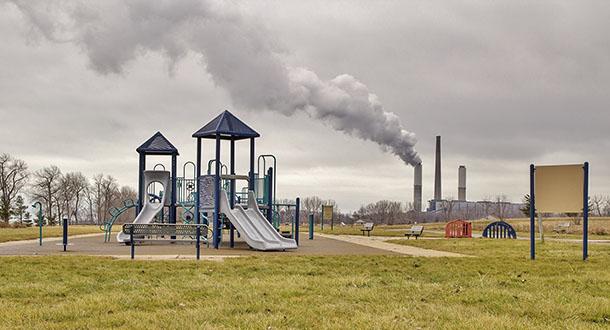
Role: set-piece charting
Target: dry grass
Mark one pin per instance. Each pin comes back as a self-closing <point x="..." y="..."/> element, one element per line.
<point x="499" y="289"/>
<point x="18" y="234"/>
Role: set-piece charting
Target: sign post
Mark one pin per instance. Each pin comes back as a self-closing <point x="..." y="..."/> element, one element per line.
<point x="559" y="189"/>
<point x="327" y="215"/>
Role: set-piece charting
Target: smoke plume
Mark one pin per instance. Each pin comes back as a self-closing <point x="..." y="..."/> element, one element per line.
<point x="237" y="51"/>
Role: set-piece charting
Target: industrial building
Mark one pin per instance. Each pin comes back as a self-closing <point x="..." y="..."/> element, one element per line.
<point x="440" y="208"/>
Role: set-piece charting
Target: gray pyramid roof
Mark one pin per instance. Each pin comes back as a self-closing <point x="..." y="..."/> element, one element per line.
<point x="157" y="145"/>
<point x="228" y="127"/>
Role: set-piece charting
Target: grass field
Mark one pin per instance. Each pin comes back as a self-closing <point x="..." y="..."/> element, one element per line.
<point x="599" y="228"/>
<point x="379" y="230"/>
<point x="500" y="288"/>
<point x="18" y="234"/>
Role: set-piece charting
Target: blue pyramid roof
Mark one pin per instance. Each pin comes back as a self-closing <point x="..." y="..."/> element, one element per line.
<point x="228" y="127"/>
<point x="157" y="145"/>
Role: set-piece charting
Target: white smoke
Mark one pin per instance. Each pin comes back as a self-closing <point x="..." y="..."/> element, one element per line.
<point x="237" y="51"/>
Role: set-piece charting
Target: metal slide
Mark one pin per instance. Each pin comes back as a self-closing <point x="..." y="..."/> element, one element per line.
<point x="150" y="210"/>
<point x="252" y="225"/>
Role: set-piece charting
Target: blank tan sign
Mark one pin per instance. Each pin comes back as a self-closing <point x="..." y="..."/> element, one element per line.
<point x="327" y="212"/>
<point x="559" y="188"/>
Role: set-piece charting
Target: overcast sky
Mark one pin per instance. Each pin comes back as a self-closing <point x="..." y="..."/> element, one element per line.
<point x="506" y="83"/>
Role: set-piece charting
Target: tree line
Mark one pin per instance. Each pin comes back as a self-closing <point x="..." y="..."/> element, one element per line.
<point x="69" y="194"/>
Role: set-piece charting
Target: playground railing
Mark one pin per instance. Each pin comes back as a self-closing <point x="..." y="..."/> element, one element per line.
<point x="139" y="232"/>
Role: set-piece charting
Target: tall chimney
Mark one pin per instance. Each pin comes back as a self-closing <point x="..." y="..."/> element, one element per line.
<point x="417" y="187"/>
<point x="462" y="183"/>
<point x="438" y="193"/>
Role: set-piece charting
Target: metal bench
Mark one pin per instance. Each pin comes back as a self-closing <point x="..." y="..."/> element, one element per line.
<point x="367" y="227"/>
<point x="159" y="232"/>
<point x="415" y="231"/>
<point x="562" y="228"/>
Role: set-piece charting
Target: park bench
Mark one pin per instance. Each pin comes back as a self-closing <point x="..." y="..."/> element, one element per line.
<point x="415" y="231"/>
<point x="562" y="227"/>
<point x="158" y="232"/>
<point x="367" y="227"/>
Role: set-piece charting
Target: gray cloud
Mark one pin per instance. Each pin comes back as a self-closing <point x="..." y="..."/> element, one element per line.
<point x="238" y="53"/>
<point x="506" y="83"/>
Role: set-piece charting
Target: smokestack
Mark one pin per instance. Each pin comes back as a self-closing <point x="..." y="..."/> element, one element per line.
<point x="417" y="187"/>
<point x="462" y="183"/>
<point x="438" y="193"/>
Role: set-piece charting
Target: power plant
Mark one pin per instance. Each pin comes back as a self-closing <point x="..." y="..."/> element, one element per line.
<point x="417" y="188"/>
<point x="462" y="183"/>
<point x="460" y="207"/>
<point x="438" y="186"/>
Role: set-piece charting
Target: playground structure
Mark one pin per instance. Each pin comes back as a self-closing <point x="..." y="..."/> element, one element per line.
<point x="458" y="229"/>
<point x="499" y="229"/>
<point x="212" y="199"/>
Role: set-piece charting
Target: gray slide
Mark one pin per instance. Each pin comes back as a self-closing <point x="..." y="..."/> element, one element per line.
<point x="258" y="233"/>
<point x="150" y="210"/>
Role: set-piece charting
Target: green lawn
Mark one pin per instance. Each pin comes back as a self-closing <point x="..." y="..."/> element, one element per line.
<point x="499" y="289"/>
<point x="378" y="230"/>
<point x="17" y="234"/>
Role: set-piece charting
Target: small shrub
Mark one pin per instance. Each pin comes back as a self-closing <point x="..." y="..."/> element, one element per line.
<point x="599" y="231"/>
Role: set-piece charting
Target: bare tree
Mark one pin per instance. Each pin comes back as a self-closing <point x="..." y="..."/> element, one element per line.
<point x="501" y="207"/>
<point x="45" y="187"/>
<point x="13" y="178"/>
<point x="312" y="205"/>
<point x="102" y="195"/>
<point x="448" y="206"/>
<point x="383" y="211"/>
<point x="71" y="193"/>
<point x="599" y="203"/>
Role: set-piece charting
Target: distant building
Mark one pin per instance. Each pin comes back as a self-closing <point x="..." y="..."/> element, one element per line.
<point x="453" y="209"/>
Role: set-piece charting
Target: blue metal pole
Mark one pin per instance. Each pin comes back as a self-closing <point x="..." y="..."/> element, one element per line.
<point x="251" y="180"/>
<point x="296" y="220"/>
<point x="585" y="214"/>
<point x="310" y="226"/>
<point x="197" y="187"/>
<point x="232" y="193"/>
<point x="131" y="243"/>
<point x="172" y="208"/>
<point x="198" y="241"/>
<point x="270" y="196"/>
<point x="141" y="188"/>
<point x="65" y="233"/>
<point x="532" y="212"/>
<point x="217" y="229"/>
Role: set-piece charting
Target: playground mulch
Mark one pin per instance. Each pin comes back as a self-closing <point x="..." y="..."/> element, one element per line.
<point x="94" y="245"/>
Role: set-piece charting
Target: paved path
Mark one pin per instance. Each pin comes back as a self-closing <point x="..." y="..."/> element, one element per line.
<point x="93" y="244"/>
<point x="379" y="242"/>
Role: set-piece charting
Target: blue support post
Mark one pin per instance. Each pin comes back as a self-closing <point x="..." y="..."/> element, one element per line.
<point x="198" y="241"/>
<point x="172" y="208"/>
<point x="270" y="195"/>
<point x="65" y="233"/>
<point x="310" y="216"/>
<point x="197" y="187"/>
<point x="217" y="229"/>
<point x="232" y="193"/>
<point x="251" y="174"/>
<point x="132" y="245"/>
<point x="585" y="214"/>
<point x="141" y="188"/>
<point x="532" y="212"/>
<point x="296" y="220"/>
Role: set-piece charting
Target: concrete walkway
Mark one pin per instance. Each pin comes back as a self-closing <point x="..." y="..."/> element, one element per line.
<point x="379" y="242"/>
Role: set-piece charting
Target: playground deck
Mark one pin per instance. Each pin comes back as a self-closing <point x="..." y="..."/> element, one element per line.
<point x="94" y="245"/>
